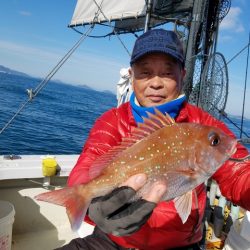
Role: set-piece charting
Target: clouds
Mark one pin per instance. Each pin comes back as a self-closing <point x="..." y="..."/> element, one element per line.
<point x="24" y="13"/>
<point x="26" y="51"/>
<point x="232" y="22"/>
<point x="83" y="67"/>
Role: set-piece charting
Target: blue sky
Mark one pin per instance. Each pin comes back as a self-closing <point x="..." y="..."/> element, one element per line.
<point x="34" y="37"/>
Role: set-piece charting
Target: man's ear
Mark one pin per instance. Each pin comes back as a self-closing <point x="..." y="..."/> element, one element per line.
<point x="183" y="74"/>
<point x="130" y="71"/>
<point x="184" y="71"/>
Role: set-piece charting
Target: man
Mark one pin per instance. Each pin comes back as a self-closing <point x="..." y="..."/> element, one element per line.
<point x="157" y="72"/>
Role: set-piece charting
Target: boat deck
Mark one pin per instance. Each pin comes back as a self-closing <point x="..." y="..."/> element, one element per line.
<point x="37" y="225"/>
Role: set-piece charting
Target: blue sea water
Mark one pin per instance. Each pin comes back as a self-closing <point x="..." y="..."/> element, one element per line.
<point x="58" y="120"/>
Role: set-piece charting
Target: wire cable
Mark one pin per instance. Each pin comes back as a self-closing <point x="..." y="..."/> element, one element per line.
<point x="32" y="94"/>
<point x="245" y="88"/>
<point x="117" y="35"/>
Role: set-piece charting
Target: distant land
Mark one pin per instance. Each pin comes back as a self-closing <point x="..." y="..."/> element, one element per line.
<point x="6" y="70"/>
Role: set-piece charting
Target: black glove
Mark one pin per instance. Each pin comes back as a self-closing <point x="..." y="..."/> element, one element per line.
<point x="114" y="214"/>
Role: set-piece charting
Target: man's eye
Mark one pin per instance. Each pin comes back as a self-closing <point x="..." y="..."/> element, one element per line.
<point x="145" y="73"/>
<point x="168" y="73"/>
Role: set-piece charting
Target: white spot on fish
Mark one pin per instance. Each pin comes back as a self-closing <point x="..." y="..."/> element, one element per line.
<point x="123" y="162"/>
<point x="149" y="148"/>
<point x="141" y="158"/>
<point x="157" y="150"/>
<point x="152" y="155"/>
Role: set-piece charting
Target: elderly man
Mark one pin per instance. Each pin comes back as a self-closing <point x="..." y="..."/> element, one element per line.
<point x="157" y="72"/>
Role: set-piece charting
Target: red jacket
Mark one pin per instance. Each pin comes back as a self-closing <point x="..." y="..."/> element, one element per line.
<point x="164" y="229"/>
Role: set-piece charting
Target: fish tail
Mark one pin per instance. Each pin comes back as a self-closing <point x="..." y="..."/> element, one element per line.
<point x="75" y="199"/>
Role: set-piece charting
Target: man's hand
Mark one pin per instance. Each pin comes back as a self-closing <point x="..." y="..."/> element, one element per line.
<point x="114" y="214"/>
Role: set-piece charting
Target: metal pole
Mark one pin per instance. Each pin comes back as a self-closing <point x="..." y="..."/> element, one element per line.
<point x="243" y="108"/>
<point x="148" y="14"/>
<point x="196" y="19"/>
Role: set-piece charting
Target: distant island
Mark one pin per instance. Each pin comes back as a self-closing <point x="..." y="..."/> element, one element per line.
<point x="6" y="70"/>
<point x="9" y="71"/>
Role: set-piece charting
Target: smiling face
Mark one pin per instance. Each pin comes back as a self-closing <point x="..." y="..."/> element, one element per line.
<point x="156" y="79"/>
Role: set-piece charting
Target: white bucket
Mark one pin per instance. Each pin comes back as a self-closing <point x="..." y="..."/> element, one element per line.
<point x="7" y="213"/>
<point x="235" y="241"/>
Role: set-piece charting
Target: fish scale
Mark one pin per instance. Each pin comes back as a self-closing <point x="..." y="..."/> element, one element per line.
<point x="180" y="155"/>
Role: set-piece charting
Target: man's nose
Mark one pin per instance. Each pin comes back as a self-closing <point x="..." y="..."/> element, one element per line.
<point x="156" y="82"/>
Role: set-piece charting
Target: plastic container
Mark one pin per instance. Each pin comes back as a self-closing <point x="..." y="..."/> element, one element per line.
<point x="7" y="213"/>
<point x="245" y="227"/>
<point x="49" y="166"/>
<point x="235" y="241"/>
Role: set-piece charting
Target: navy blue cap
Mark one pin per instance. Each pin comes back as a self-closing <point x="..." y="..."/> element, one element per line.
<point x="158" y="40"/>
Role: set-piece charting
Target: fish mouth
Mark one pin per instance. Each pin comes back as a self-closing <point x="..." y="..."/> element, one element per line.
<point x="233" y="150"/>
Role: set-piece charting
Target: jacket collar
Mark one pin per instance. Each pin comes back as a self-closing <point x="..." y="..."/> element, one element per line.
<point x="181" y="117"/>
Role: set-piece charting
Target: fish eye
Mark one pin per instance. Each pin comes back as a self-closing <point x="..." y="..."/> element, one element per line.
<point x="214" y="139"/>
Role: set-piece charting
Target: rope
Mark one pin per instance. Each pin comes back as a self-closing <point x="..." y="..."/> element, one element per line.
<point x="117" y="35"/>
<point x="61" y="62"/>
<point x="245" y="88"/>
<point x="225" y="116"/>
<point x="32" y="94"/>
<point x="238" y="53"/>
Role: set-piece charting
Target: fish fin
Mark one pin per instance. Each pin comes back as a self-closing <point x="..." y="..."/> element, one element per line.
<point x="76" y="204"/>
<point x="183" y="205"/>
<point x="156" y="121"/>
<point x="198" y="219"/>
<point x="58" y="197"/>
<point x="149" y="125"/>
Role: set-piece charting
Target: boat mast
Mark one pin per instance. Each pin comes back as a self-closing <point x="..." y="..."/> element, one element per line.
<point x="197" y="18"/>
<point x="148" y="14"/>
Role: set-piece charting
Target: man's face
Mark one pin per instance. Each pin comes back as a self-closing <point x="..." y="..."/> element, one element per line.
<point x="156" y="79"/>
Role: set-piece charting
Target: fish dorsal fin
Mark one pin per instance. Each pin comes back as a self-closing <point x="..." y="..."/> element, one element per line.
<point x="150" y="124"/>
<point x="157" y="120"/>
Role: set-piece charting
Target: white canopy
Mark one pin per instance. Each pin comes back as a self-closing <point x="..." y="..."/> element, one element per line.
<point x="86" y="10"/>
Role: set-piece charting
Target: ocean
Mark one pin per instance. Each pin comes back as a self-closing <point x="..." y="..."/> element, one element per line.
<point x="58" y="120"/>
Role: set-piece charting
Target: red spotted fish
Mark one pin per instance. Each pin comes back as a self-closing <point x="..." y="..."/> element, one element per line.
<point x="182" y="155"/>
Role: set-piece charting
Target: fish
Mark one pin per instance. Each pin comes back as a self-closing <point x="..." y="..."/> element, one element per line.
<point x="180" y="155"/>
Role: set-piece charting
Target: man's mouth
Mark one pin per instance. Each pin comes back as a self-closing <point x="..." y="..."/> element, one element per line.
<point x="156" y="98"/>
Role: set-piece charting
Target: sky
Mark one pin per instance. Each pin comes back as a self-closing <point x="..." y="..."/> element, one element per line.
<point x="34" y="36"/>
